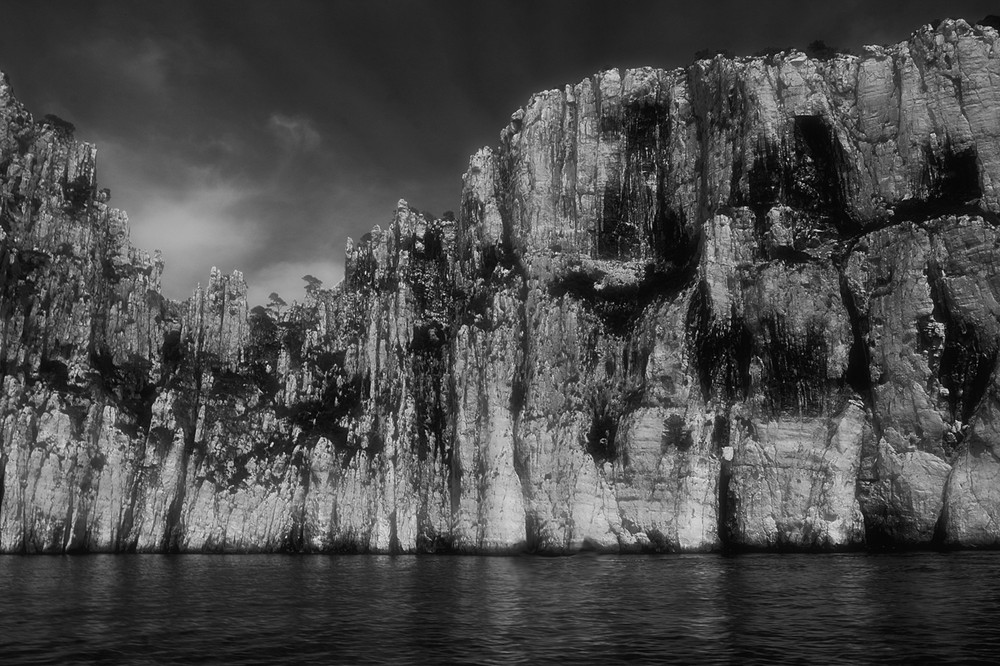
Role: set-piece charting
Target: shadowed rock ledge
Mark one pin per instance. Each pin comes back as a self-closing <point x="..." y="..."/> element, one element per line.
<point x="752" y="303"/>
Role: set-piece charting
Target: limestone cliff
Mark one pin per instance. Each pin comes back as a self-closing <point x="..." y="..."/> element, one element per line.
<point x="752" y="303"/>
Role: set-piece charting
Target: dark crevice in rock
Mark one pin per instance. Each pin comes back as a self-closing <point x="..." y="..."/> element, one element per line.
<point x="941" y="526"/>
<point x="727" y="501"/>
<point x="375" y="442"/>
<point x="394" y="548"/>
<point x="173" y="532"/>
<point x="531" y="541"/>
<point x="923" y="210"/>
<point x="857" y="376"/>
<point x="765" y="181"/>
<point x="520" y="383"/>
<point x="602" y="437"/>
<point x="890" y="532"/>
<point x="968" y="359"/>
<point x="794" y="368"/>
<point x="951" y="176"/>
<point x="816" y="176"/>
<point x="650" y="210"/>
<point x="3" y="475"/>
<point x="617" y="234"/>
<point x="430" y="359"/>
<point x="720" y="349"/>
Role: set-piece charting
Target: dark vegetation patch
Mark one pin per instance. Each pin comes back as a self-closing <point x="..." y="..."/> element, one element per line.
<point x="429" y="358"/>
<point x="55" y="374"/>
<point x="76" y="398"/>
<point x="77" y="193"/>
<point x="328" y="416"/>
<point x="500" y="256"/>
<point x="771" y="51"/>
<point x="428" y="274"/>
<point x="20" y="271"/>
<point x="23" y="263"/>
<point x="362" y="276"/>
<point x="171" y="352"/>
<point x="62" y="127"/>
<point x="263" y="350"/>
<point x="430" y="341"/>
<point x="676" y="434"/>
<point x="127" y="384"/>
<point x="991" y="20"/>
<point x="98" y="462"/>
<point x="619" y="306"/>
<point x="609" y="121"/>
<point x="476" y="310"/>
<point x="820" y="50"/>
<point x="292" y="336"/>
<point x="708" y="54"/>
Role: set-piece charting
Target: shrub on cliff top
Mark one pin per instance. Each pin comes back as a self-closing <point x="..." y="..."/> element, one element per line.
<point x="61" y="126"/>
<point x="708" y="54"/>
<point x="821" y="51"/>
<point x="991" y="20"/>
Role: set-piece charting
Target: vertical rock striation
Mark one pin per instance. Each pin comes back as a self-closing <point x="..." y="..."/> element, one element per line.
<point x="752" y="303"/>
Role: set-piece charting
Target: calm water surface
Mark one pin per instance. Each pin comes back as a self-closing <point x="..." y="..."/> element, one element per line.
<point x="358" y="609"/>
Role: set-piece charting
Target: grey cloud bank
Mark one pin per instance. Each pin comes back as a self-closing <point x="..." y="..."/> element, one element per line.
<point x="262" y="135"/>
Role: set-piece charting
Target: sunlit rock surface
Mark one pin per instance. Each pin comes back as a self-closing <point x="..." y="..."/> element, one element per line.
<point x="753" y="303"/>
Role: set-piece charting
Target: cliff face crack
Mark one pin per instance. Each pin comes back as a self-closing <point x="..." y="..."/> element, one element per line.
<point x="858" y="372"/>
<point x="969" y="358"/>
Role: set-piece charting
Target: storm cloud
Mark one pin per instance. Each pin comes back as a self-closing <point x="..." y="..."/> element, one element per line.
<point x="260" y="136"/>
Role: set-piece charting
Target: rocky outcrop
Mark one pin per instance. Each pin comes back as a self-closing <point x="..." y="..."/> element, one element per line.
<point x="753" y="303"/>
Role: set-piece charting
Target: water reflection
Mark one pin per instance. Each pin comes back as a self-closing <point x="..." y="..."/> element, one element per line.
<point x="709" y="609"/>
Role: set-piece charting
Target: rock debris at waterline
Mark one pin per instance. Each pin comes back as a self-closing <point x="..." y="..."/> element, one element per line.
<point x="752" y="303"/>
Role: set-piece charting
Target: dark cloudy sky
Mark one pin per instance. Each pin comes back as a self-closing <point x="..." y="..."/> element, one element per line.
<point x="259" y="135"/>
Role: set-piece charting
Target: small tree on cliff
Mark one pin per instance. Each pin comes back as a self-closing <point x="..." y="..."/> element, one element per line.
<point x="275" y="302"/>
<point x="313" y="284"/>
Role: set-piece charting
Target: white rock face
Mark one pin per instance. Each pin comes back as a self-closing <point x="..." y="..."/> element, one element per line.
<point x="794" y="481"/>
<point x="752" y="303"/>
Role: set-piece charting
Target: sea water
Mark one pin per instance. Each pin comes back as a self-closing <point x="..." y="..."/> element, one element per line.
<point x="264" y="609"/>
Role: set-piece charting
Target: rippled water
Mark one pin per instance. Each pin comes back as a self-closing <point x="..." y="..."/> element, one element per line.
<point x="351" y="609"/>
